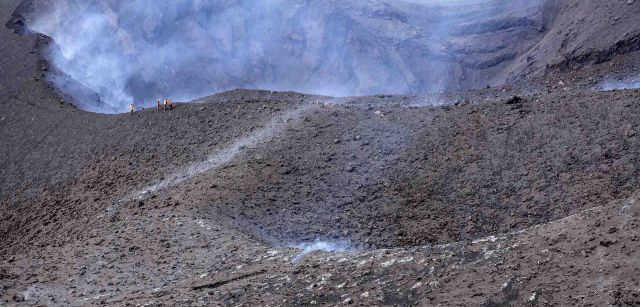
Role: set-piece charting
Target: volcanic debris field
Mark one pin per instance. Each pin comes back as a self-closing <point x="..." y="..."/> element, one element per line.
<point x="525" y="193"/>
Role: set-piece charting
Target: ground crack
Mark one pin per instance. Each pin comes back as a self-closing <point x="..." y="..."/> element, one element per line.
<point x="223" y="282"/>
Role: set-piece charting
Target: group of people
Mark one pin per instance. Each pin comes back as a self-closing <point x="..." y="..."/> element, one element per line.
<point x="166" y="104"/>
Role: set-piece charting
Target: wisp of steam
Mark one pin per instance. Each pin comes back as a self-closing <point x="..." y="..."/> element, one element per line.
<point x="320" y="245"/>
<point x="628" y="83"/>
<point x="111" y="53"/>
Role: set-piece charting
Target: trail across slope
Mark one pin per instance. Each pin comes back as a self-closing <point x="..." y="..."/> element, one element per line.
<point x="225" y="155"/>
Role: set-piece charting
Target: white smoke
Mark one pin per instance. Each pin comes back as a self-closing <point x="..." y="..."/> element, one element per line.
<point x="320" y="246"/>
<point x="144" y="50"/>
<point x="625" y="84"/>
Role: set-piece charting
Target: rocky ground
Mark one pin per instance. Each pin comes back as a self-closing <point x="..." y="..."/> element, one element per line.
<point x="523" y="194"/>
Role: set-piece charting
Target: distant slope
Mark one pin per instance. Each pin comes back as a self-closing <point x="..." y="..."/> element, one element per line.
<point x="582" y="33"/>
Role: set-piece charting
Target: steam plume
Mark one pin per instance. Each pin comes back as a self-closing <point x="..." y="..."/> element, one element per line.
<point x="628" y="83"/>
<point x="143" y="50"/>
<point x="319" y="245"/>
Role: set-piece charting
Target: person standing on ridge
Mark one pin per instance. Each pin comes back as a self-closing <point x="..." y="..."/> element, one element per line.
<point x="132" y="108"/>
<point x="165" y="102"/>
<point x="158" y="104"/>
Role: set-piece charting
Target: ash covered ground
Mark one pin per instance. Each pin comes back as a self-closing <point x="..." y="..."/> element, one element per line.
<point x="524" y="193"/>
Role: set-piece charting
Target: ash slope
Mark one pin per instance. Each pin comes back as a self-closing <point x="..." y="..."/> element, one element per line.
<point x="203" y="241"/>
<point x="376" y="170"/>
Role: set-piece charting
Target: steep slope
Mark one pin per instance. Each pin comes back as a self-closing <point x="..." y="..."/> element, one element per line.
<point x="583" y="33"/>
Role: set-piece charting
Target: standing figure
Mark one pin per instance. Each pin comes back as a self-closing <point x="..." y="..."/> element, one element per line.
<point x="132" y="108"/>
